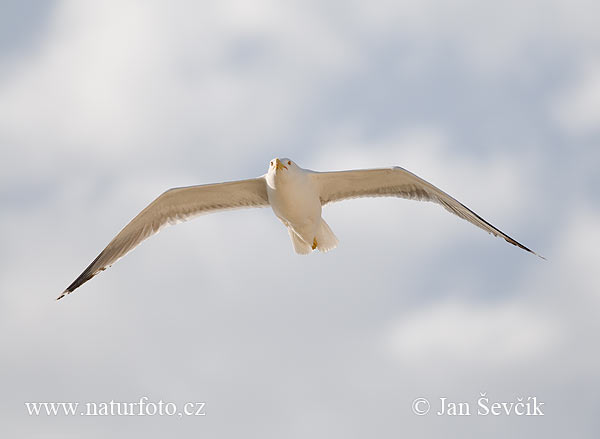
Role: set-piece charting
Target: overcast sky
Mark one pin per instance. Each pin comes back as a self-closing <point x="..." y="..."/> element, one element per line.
<point x="104" y="105"/>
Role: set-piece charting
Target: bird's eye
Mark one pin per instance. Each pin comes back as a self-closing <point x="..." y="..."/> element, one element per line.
<point x="289" y="163"/>
<point x="271" y="163"/>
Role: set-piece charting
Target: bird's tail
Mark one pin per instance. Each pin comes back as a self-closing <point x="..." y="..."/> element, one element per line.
<point x="300" y="246"/>
<point x="326" y="239"/>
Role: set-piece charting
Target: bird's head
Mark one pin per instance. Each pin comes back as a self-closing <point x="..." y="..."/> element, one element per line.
<point x="282" y="166"/>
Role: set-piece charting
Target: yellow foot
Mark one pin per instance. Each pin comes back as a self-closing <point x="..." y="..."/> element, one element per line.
<point x="314" y="246"/>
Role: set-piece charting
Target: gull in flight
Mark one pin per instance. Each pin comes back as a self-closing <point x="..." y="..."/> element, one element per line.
<point x="296" y="196"/>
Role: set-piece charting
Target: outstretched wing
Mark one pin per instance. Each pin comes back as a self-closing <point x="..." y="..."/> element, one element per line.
<point x="174" y="206"/>
<point x="397" y="182"/>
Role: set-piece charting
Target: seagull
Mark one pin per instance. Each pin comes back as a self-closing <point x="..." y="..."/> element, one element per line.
<point x="296" y="196"/>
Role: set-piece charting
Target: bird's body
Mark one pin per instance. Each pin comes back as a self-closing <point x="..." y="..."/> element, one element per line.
<point x="295" y="201"/>
<point x="296" y="196"/>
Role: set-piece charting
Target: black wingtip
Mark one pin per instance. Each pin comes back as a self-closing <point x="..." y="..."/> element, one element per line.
<point x="538" y="255"/>
<point x="64" y="293"/>
<point x="518" y="244"/>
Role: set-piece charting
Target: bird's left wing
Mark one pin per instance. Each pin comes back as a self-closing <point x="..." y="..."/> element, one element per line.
<point x="397" y="182"/>
<point x="173" y="206"/>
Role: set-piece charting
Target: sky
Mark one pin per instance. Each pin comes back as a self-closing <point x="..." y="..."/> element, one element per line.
<point x="104" y="105"/>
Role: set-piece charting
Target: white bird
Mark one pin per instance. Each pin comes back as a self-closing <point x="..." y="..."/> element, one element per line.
<point x="296" y="196"/>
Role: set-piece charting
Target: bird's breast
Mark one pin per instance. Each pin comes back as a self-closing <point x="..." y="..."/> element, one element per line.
<point x="295" y="201"/>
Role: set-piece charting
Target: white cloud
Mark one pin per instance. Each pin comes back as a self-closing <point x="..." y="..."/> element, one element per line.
<point x="574" y="256"/>
<point x="113" y="82"/>
<point x="578" y="107"/>
<point x="491" y="39"/>
<point x="455" y="334"/>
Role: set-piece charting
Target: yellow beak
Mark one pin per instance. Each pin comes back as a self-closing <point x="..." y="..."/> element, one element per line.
<point x="279" y="165"/>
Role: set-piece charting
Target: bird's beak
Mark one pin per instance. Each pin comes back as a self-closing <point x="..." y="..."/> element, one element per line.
<point x="279" y="165"/>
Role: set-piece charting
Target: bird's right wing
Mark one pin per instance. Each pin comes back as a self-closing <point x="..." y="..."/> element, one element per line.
<point x="174" y="206"/>
<point x="398" y="182"/>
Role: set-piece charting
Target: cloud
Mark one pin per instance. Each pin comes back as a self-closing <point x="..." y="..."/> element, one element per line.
<point x="455" y="333"/>
<point x="113" y="82"/>
<point x="577" y="108"/>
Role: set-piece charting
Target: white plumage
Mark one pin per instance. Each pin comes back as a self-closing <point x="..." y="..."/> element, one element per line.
<point x="296" y="196"/>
